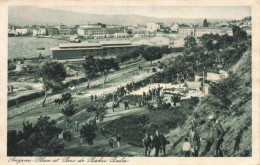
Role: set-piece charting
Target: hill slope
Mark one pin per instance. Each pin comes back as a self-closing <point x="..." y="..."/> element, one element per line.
<point x="231" y="101"/>
<point x="37" y="15"/>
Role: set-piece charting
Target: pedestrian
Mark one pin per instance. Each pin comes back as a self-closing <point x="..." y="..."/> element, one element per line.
<point x="140" y="102"/>
<point x="17" y="103"/>
<point x="76" y="126"/>
<point x="147" y="144"/>
<point x="163" y="143"/>
<point x="12" y="88"/>
<point x="151" y="144"/>
<point x="114" y="106"/>
<point x="118" y="103"/>
<point x="95" y="97"/>
<point x="118" y="139"/>
<point x="111" y="141"/>
<point x="91" y="98"/>
<point x="194" y="141"/>
<point x="156" y="143"/>
<point x="217" y="136"/>
<point x="69" y="135"/>
<point x="186" y="147"/>
<point x="127" y="104"/>
<point x="61" y="135"/>
<point x="103" y="132"/>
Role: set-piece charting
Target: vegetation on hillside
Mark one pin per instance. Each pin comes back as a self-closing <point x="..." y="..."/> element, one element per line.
<point x="38" y="139"/>
<point x="230" y="100"/>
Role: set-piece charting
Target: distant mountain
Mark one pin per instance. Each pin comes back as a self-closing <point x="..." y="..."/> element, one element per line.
<point x="29" y="15"/>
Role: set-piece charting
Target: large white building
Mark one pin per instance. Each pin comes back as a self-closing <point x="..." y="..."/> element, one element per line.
<point x="200" y="31"/>
<point x="41" y="31"/>
<point x="21" y="31"/>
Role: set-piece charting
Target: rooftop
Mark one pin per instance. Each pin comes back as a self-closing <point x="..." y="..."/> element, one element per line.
<point x="79" y="45"/>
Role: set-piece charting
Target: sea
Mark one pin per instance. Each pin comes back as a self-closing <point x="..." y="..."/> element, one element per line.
<point x="26" y="47"/>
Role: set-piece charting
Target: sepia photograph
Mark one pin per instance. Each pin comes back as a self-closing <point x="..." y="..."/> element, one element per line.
<point x="129" y="81"/>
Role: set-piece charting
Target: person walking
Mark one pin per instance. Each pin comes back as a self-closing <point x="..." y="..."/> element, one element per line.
<point x="111" y="142"/>
<point x="114" y="106"/>
<point x="186" y="147"/>
<point x="163" y="143"/>
<point x="217" y="136"/>
<point x="195" y="141"/>
<point x="91" y="98"/>
<point x="147" y="144"/>
<point x="118" y="139"/>
<point x="127" y="104"/>
<point x="156" y="143"/>
<point x="103" y="132"/>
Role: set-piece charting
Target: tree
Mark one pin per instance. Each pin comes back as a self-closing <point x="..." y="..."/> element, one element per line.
<point x="129" y="32"/>
<point x="105" y="65"/>
<point x="88" y="132"/>
<point x="68" y="111"/>
<point x="52" y="73"/>
<point x="190" y="45"/>
<point x="207" y="41"/>
<point x="40" y="139"/>
<point x="90" y="68"/>
<point x="152" y="53"/>
<point x="239" y="34"/>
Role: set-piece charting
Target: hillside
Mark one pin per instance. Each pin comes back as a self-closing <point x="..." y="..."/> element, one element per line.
<point x="43" y="16"/>
<point x="231" y="101"/>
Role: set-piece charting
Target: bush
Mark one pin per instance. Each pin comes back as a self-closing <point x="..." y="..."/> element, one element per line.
<point x="25" y="98"/>
<point x="88" y="132"/>
<point x="11" y="66"/>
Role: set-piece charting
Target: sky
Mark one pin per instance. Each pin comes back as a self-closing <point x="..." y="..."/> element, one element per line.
<point x="226" y="12"/>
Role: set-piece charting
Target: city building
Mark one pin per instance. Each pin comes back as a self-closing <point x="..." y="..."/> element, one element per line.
<point x="63" y="29"/>
<point x="21" y="31"/>
<point x="174" y="27"/>
<point x="52" y="31"/>
<point x="40" y="31"/>
<point x="186" y="31"/>
<point x="200" y="31"/>
<point x="99" y="32"/>
<point x="101" y="49"/>
<point x="121" y="35"/>
<point x="153" y="27"/>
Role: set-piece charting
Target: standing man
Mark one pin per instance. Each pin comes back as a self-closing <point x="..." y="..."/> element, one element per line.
<point x="163" y="143"/>
<point x="111" y="141"/>
<point x="147" y="144"/>
<point x="217" y="136"/>
<point x="194" y="141"/>
<point x="103" y="132"/>
<point x="95" y="97"/>
<point x="118" y="139"/>
<point x="156" y="143"/>
<point x="91" y="98"/>
<point x="127" y="104"/>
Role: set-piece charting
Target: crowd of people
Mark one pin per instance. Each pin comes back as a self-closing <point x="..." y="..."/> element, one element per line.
<point x="192" y="143"/>
<point x="157" y="143"/>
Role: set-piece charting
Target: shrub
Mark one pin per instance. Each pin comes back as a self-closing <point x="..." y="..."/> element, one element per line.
<point x="88" y="132"/>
